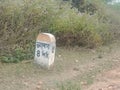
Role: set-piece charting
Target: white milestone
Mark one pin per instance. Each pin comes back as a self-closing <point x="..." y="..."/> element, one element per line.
<point x="45" y="50"/>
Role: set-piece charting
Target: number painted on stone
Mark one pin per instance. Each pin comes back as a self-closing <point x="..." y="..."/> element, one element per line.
<point x="38" y="53"/>
<point x="45" y="54"/>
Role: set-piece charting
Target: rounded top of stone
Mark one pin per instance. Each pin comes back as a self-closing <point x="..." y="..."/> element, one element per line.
<point x="46" y="37"/>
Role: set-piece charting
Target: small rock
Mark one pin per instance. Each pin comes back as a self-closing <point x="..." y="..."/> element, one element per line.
<point x="47" y="89"/>
<point x="25" y="29"/>
<point x="76" y="61"/>
<point x="52" y="89"/>
<point x="23" y="76"/>
<point x="13" y="82"/>
<point x="40" y="83"/>
<point x="25" y="83"/>
<point x="38" y="87"/>
<point x="59" y="55"/>
<point x="110" y="87"/>
<point x="93" y="51"/>
<point x="93" y="76"/>
<point x="83" y="83"/>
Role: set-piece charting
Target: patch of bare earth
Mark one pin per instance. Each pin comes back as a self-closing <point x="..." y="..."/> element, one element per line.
<point x="107" y="81"/>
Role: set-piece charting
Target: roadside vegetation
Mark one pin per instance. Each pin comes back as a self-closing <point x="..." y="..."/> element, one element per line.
<point x="86" y="23"/>
<point x="84" y="30"/>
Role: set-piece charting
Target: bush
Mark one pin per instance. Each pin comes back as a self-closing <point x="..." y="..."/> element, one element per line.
<point x="17" y="54"/>
<point x="78" y="29"/>
<point x="20" y="23"/>
<point x="22" y="20"/>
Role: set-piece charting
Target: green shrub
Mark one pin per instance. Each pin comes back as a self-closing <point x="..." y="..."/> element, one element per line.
<point x="22" y="20"/>
<point x="78" y="29"/>
<point x="20" y="23"/>
<point x="18" y="54"/>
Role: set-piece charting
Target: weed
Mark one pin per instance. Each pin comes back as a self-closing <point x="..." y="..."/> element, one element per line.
<point x="69" y="86"/>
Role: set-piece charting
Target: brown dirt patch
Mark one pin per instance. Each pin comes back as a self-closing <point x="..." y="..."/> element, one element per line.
<point x="107" y="81"/>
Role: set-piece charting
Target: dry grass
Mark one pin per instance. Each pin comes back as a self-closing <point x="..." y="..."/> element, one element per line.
<point x="74" y="68"/>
